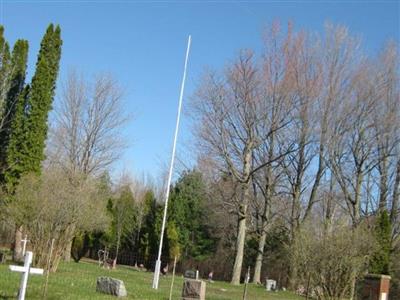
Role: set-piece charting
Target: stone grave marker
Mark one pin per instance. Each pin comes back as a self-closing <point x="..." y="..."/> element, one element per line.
<point x="270" y="285"/>
<point x="2" y="257"/>
<point x="190" y="274"/>
<point x="193" y="289"/>
<point x="111" y="286"/>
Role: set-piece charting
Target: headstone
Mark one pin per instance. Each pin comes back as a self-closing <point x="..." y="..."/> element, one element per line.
<point x="111" y="286"/>
<point x="194" y="290"/>
<point x="25" y="270"/>
<point x="2" y="257"/>
<point x="190" y="274"/>
<point x="270" y="285"/>
<point x="375" y="287"/>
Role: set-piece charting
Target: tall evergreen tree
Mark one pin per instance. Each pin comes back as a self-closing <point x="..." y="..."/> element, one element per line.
<point x="187" y="211"/>
<point x="24" y="139"/>
<point x="27" y="140"/>
<point x="16" y="86"/>
<point x="149" y="237"/>
<point x="4" y="73"/>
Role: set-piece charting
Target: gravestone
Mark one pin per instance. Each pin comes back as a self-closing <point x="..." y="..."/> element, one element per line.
<point x="2" y="257"/>
<point x="375" y="287"/>
<point x="194" y="290"/>
<point x="270" y="285"/>
<point x="111" y="286"/>
<point x="190" y="274"/>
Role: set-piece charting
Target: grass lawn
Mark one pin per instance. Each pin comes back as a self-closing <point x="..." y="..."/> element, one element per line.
<point x="78" y="281"/>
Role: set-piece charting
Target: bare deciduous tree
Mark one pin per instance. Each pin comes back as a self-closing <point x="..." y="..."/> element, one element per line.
<point x="227" y="111"/>
<point x="386" y="123"/>
<point x="86" y="135"/>
<point x="276" y="96"/>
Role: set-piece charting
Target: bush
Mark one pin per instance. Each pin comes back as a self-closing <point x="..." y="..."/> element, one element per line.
<point x="381" y="258"/>
<point x="395" y="273"/>
<point x="55" y="206"/>
<point x="330" y="261"/>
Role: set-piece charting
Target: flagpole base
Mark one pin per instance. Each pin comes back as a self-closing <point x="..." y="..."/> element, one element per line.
<point x="156" y="274"/>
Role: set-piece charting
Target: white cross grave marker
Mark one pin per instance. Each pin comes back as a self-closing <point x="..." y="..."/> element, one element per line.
<point x="24" y="241"/>
<point x="25" y="270"/>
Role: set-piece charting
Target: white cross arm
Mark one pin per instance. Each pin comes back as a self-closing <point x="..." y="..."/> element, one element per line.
<point x="17" y="268"/>
<point x="24" y="269"/>
<point x="36" y="271"/>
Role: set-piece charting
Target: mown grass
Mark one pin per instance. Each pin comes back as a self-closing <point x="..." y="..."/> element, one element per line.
<point x="78" y="281"/>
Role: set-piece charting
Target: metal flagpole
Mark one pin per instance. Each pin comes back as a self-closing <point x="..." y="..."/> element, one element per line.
<point x="158" y="261"/>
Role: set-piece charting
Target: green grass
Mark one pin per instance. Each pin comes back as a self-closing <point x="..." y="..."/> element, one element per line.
<point x="78" y="281"/>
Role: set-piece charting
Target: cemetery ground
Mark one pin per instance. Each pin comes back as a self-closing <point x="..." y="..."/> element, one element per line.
<point x="78" y="281"/>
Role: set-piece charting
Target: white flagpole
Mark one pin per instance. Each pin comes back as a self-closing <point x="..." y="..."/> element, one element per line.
<point x="158" y="261"/>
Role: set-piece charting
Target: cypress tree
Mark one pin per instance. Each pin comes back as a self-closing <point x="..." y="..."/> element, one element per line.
<point x="29" y="129"/>
<point x="17" y="147"/>
<point x="149" y="236"/>
<point x="16" y="86"/>
<point x="4" y="73"/>
<point x="41" y="96"/>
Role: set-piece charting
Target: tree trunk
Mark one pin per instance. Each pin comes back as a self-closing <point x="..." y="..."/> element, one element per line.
<point x="353" y="287"/>
<point x="294" y="228"/>
<point x="241" y="238"/>
<point x="17" y="253"/>
<point x="383" y="184"/>
<point x="329" y="210"/>
<point x="264" y="227"/>
<point x="67" y="253"/>
<point x="237" y="267"/>
<point x="260" y="254"/>
<point x="269" y="189"/>
<point x="292" y="278"/>
<point x="356" y="204"/>
<point x="396" y="195"/>
<point x="117" y="251"/>
<point x="318" y="177"/>
<point x="242" y="214"/>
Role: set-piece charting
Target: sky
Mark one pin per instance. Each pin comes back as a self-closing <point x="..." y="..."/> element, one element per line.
<point x="143" y="44"/>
